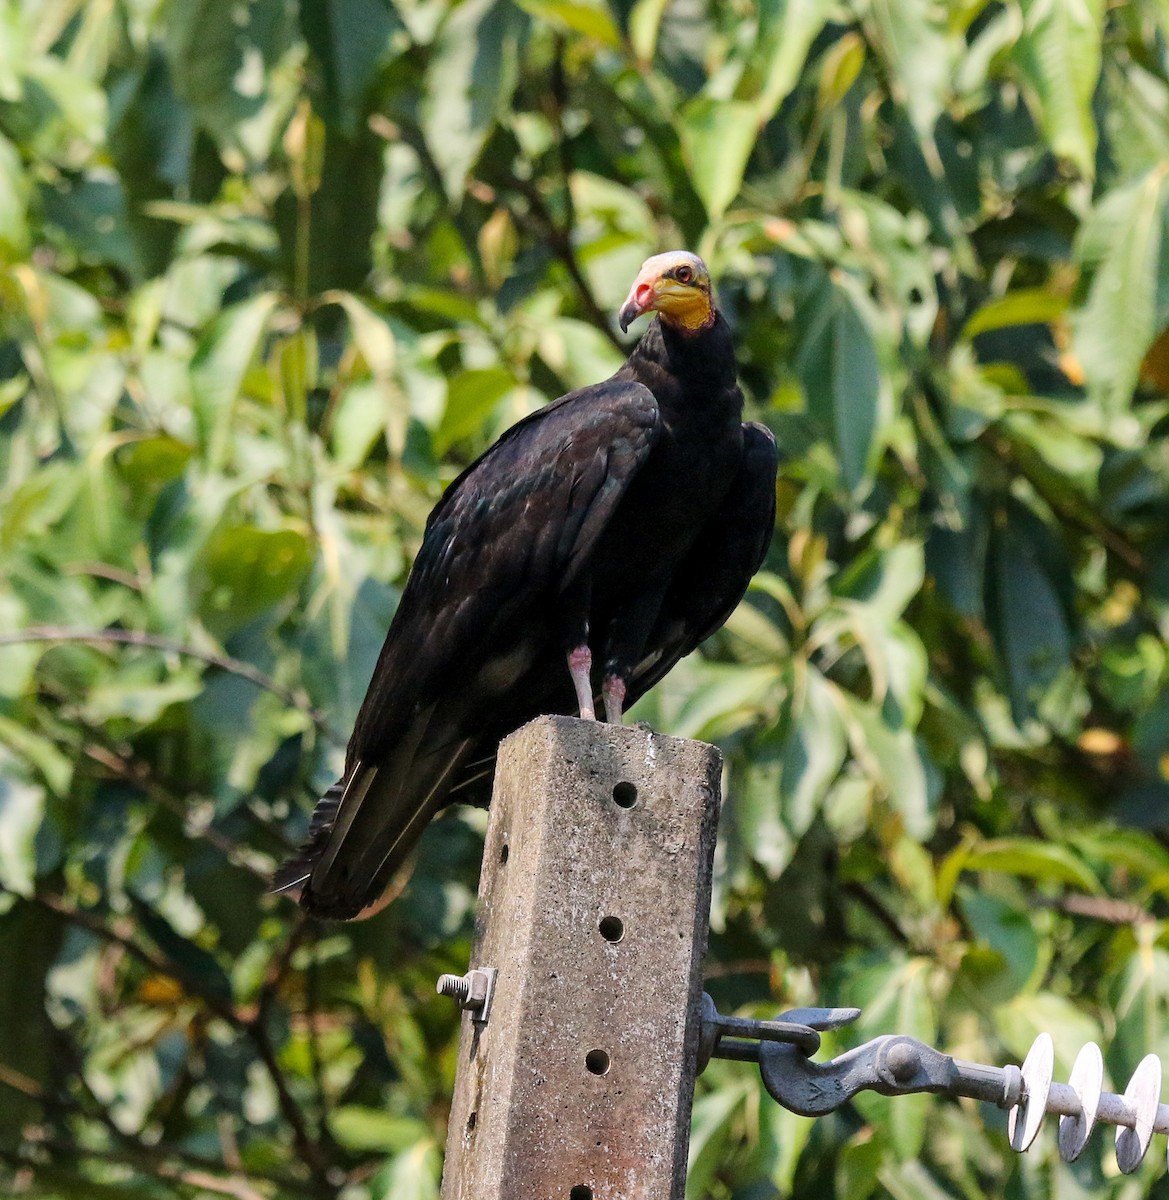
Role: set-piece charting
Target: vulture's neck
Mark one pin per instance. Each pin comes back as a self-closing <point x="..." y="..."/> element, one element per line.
<point x="701" y="358"/>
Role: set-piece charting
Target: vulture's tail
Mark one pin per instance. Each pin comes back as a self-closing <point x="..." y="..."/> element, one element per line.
<point x="365" y="826"/>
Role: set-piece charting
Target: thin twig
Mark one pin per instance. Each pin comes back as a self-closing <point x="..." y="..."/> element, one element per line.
<point x="278" y="967"/>
<point x="158" y="963"/>
<point x="139" y="774"/>
<point x="1111" y="537"/>
<point x="867" y="900"/>
<point x="136" y="637"/>
<point x="316" y="1062"/>
<point x="563" y="236"/>
<point x="308" y="1149"/>
<point x="18" y="1081"/>
<point x="1098" y="908"/>
<point x="196" y="1177"/>
<point x="740" y="966"/>
<point x="560" y="242"/>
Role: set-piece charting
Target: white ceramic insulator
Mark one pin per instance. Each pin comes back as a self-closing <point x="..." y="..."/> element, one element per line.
<point x="1026" y="1117"/>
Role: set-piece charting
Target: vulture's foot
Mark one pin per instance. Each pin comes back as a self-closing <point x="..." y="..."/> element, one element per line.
<point x="580" y="662"/>
<point x="613" y="689"/>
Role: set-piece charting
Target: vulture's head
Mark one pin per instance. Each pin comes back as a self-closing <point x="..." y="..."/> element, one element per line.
<point x="677" y="286"/>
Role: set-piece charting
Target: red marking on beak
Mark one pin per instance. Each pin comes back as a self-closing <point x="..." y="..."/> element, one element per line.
<point x="640" y="300"/>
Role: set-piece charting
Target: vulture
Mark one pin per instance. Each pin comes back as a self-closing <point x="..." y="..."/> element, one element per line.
<point x="569" y="567"/>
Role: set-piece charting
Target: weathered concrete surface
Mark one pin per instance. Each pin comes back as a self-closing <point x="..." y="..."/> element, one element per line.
<point x="530" y="1120"/>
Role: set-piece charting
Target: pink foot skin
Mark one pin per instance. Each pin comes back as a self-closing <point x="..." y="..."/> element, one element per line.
<point x="613" y="689"/>
<point x="580" y="662"/>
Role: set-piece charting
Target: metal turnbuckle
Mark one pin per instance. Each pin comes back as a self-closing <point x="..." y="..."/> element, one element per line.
<point x="896" y="1065"/>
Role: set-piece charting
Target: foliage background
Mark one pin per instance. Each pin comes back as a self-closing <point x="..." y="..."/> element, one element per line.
<point x="271" y="271"/>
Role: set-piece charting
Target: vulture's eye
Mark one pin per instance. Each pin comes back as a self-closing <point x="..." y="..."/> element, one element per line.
<point x="684" y="275"/>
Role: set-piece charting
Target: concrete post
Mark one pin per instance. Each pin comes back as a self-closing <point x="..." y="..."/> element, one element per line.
<point x="593" y="907"/>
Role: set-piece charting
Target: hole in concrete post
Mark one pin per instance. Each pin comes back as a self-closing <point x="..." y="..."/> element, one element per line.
<point x="472" y="1120"/>
<point x="582" y="1191"/>
<point x="504" y="852"/>
<point x="625" y="795"/>
<point x="597" y="1061"/>
<point x="612" y="929"/>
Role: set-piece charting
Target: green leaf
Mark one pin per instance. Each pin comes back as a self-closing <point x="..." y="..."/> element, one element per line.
<point x="645" y="19"/>
<point x="1059" y="55"/>
<point x="1009" y="932"/>
<point x="222" y="359"/>
<point x="838" y="367"/>
<point x="885" y="581"/>
<point x="41" y="753"/>
<point x="839" y="70"/>
<point x="413" y="1175"/>
<point x="710" y="1136"/>
<point x="349" y="38"/>
<point x="914" y="36"/>
<point x="370" y="1129"/>
<point x="717" y="139"/>
<point x="21" y="808"/>
<point x="148" y="464"/>
<point x="371" y="332"/>
<point x="891" y="758"/>
<point x="14" y="194"/>
<point x="471" y="398"/>
<point x="1123" y="239"/>
<point x="136" y="694"/>
<point x="358" y="421"/>
<point x="593" y="20"/>
<point x="468" y="84"/>
<point x="246" y="570"/>
<point x="1027" y="615"/>
<point x="787" y="29"/>
<point x="1032" y="859"/>
<point x="813" y="751"/>
<point x="36" y="503"/>
<point x="1024" y="306"/>
<point x="1139" y="997"/>
<point x="1019" y="1022"/>
<point x="219" y="56"/>
<point x="18" y="661"/>
<point x="784" y="1135"/>
<point x="859" y="1164"/>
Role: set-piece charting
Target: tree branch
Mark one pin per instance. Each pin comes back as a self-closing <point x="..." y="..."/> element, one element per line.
<point x="204" y="1177"/>
<point x="560" y="242"/>
<point x="136" y="637"/>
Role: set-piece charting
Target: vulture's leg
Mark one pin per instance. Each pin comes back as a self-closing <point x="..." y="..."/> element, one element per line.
<point x="613" y="689"/>
<point x="627" y="636"/>
<point x="573" y="618"/>
<point x="580" y="662"/>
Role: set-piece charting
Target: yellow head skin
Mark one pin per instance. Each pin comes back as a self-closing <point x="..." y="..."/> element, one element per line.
<point x="676" y="285"/>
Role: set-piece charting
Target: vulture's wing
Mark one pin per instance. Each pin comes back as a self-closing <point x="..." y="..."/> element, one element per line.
<point x="715" y="574"/>
<point x="508" y="536"/>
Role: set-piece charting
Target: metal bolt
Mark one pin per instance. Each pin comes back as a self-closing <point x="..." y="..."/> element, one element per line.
<point x="458" y="986"/>
<point x="471" y="991"/>
<point x="903" y="1061"/>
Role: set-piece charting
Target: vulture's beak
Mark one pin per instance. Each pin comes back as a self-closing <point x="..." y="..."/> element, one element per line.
<point x="640" y="300"/>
